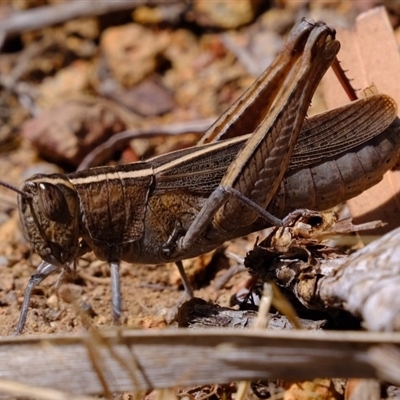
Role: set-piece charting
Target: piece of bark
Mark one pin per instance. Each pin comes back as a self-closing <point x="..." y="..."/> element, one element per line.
<point x="197" y="313"/>
<point x="367" y="284"/>
<point x="370" y="55"/>
<point x="364" y="284"/>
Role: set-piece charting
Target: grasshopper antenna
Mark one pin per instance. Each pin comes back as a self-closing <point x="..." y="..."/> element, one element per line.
<point x="15" y="189"/>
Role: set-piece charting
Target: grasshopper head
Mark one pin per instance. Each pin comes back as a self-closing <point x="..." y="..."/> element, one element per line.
<point x="48" y="206"/>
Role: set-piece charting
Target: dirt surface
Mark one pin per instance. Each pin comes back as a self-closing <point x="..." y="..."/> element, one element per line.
<point x="67" y="88"/>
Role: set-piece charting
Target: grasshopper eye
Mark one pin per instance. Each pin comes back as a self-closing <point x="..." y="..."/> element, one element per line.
<point x="53" y="203"/>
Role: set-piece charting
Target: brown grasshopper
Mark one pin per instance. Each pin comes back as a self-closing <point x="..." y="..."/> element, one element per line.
<point x="185" y="203"/>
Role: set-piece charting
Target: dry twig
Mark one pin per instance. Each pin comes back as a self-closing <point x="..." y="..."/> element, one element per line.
<point x="42" y="17"/>
<point x="166" y="357"/>
<point x="104" y="151"/>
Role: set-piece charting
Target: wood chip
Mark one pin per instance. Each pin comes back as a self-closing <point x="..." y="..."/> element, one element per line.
<point x="370" y="55"/>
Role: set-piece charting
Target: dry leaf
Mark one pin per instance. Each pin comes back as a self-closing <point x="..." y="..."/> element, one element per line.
<point x="318" y="389"/>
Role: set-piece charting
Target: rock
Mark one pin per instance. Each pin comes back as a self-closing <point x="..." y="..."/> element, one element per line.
<point x="133" y="52"/>
<point x="66" y="133"/>
<point x="225" y="14"/>
<point x="148" y="98"/>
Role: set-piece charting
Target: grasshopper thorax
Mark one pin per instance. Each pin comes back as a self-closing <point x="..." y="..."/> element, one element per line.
<point x="49" y="206"/>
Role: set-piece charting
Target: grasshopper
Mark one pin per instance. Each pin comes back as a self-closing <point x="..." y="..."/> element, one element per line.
<point x="188" y="202"/>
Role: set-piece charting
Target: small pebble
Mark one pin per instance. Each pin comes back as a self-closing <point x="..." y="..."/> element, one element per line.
<point x="69" y="292"/>
<point x="4" y="261"/>
<point x="52" y="302"/>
